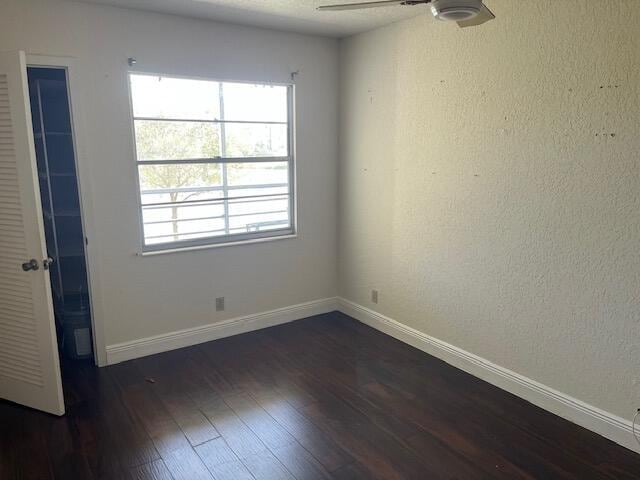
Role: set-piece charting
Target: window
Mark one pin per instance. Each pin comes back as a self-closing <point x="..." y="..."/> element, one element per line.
<point x="214" y="159"/>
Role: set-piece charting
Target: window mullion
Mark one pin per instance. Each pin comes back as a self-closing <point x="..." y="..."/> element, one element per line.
<point x="206" y="120"/>
<point x="223" y="153"/>
<point x="216" y="160"/>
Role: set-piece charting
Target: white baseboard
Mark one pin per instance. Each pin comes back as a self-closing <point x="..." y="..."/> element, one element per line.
<point x="599" y="421"/>
<point x="191" y="336"/>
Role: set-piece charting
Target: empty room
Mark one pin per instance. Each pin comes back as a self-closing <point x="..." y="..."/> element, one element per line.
<point x="319" y="239"/>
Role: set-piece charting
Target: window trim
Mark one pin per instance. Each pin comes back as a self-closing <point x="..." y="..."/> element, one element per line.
<point x="231" y="239"/>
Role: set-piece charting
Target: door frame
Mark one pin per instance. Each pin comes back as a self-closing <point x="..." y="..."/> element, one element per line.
<point x="69" y="64"/>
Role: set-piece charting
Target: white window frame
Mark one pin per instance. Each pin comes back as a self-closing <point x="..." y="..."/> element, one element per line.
<point x="230" y="239"/>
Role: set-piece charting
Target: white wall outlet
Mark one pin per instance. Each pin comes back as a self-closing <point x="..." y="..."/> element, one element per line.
<point x="374" y="296"/>
<point x="219" y="304"/>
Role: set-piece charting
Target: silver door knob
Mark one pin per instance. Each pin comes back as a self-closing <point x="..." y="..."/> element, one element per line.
<point x="30" y="265"/>
<point x="46" y="263"/>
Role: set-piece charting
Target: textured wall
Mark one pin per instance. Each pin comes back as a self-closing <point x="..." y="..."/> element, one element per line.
<point x="490" y="188"/>
<point x="139" y="297"/>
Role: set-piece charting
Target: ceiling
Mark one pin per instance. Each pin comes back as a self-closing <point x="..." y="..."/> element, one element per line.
<point x="292" y="15"/>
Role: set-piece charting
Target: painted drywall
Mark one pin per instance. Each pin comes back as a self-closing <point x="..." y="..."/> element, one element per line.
<point x="138" y="297"/>
<point x="490" y="188"/>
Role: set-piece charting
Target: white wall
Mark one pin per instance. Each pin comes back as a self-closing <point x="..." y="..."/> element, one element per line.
<point x="490" y="188"/>
<point x="139" y="297"/>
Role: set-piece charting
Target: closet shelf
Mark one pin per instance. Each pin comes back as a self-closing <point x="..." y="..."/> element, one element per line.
<point x="52" y="134"/>
<point x="62" y="174"/>
<point x="73" y="254"/>
<point x="63" y="213"/>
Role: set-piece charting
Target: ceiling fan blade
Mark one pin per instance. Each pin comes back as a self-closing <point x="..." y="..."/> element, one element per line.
<point x="358" y="6"/>
<point x="484" y="16"/>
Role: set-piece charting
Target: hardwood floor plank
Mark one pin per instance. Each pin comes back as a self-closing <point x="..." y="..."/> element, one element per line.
<point x="259" y="421"/>
<point x="111" y="440"/>
<point x="221" y="461"/>
<point x="270" y="382"/>
<point x="313" y="439"/>
<point x="231" y="471"/>
<point x="118" y="441"/>
<point x="217" y="384"/>
<point x="264" y="466"/>
<point x="30" y="456"/>
<point x="215" y="452"/>
<point x="383" y="455"/>
<point x="324" y="397"/>
<point x="238" y="436"/>
<point x="158" y="423"/>
<point x="151" y="471"/>
<point x="388" y="373"/>
<point x="300" y="462"/>
<point x="464" y="428"/>
<point x="133" y="444"/>
<point x="193" y="423"/>
<point x="353" y="471"/>
<point x="444" y="458"/>
<point x="185" y="464"/>
<point x="65" y="455"/>
<point x="360" y="400"/>
<point x="546" y="427"/>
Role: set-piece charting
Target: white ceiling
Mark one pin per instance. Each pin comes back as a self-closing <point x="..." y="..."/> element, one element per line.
<point x="292" y="15"/>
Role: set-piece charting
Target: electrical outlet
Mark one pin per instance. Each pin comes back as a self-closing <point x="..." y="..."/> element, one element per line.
<point x="219" y="304"/>
<point x="374" y="296"/>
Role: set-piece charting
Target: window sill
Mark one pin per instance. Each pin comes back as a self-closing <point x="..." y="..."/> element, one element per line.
<point x="153" y="253"/>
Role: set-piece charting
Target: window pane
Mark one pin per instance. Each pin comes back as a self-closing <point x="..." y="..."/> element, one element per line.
<point x="179" y="182"/>
<point x="179" y="98"/>
<point x="255" y="140"/>
<point x="270" y="212"/>
<point x="178" y="223"/>
<point x="255" y="103"/>
<point x="263" y="174"/>
<point x="257" y="215"/>
<point x="162" y="140"/>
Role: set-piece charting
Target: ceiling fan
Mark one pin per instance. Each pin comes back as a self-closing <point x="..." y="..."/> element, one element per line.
<point x="466" y="13"/>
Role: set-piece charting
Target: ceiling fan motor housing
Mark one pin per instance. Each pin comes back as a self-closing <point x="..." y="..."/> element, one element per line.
<point x="455" y="10"/>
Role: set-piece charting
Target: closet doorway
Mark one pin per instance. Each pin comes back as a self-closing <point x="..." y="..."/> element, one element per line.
<point x="61" y="209"/>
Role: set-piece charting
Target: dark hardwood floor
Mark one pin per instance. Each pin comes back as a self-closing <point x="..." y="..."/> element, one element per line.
<point x="325" y="397"/>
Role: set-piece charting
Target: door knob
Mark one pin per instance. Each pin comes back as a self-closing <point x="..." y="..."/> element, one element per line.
<point x="30" y="265"/>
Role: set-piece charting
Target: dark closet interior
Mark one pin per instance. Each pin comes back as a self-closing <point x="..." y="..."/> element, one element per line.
<point x="53" y="136"/>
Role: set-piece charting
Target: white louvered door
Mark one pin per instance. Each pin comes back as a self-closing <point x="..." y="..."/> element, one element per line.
<point x="29" y="364"/>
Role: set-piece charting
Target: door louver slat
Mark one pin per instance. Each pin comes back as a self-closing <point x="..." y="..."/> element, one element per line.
<point x="20" y="359"/>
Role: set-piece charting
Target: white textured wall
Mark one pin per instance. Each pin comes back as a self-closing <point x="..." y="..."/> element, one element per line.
<point x="490" y="188"/>
<point x="139" y="297"/>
